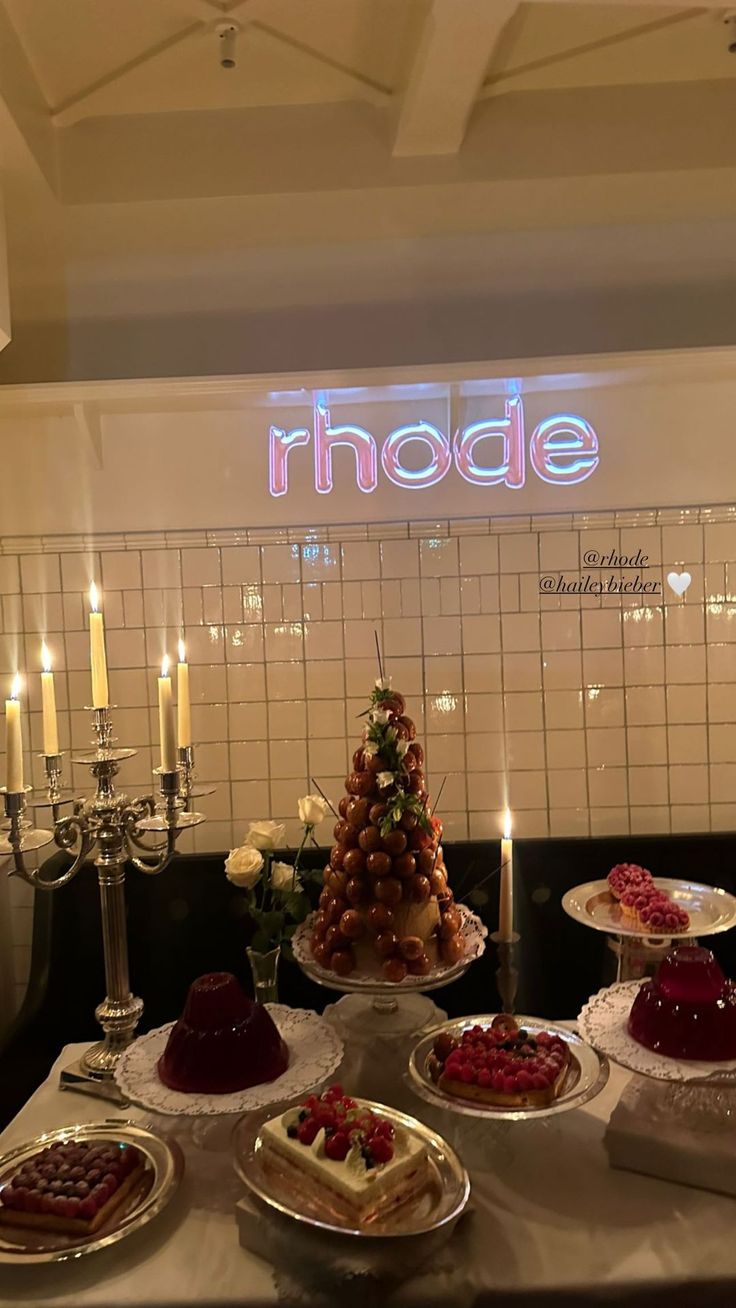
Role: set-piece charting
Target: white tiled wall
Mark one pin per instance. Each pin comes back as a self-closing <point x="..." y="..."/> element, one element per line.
<point x="589" y="715"/>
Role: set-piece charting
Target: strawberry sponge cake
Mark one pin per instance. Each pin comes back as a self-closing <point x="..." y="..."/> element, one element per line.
<point x="342" y="1155"/>
<point x="643" y="904"/>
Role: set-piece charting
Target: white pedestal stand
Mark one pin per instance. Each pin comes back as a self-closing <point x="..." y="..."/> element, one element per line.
<point x="377" y="1032"/>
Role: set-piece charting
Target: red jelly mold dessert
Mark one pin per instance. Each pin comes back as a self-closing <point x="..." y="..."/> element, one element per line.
<point x="688" y="1010"/>
<point x="223" y="1041"/>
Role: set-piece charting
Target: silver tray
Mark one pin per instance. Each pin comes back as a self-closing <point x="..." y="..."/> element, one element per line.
<point x="164" y="1168"/>
<point x="439" y="1204"/>
<point x="586" y="1075"/>
<point x="711" y="909"/>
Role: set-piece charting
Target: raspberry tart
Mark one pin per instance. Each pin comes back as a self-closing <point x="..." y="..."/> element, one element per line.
<point x="688" y="1010"/>
<point x="645" y="906"/>
<point x="345" y="1157"/>
<point x="386" y="908"/>
<point x="501" y="1065"/>
<point x="72" y="1187"/>
<point x="223" y="1041"/>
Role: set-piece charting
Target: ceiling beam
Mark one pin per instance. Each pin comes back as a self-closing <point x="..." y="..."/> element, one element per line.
<point x="372" y="89"/>
<point x="68" y="111"/>
<point x="455" y="50"/>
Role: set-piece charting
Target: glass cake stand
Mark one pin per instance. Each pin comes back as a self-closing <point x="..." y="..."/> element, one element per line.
<point x="375" y="1018"/>
<point x="711" y="911"/>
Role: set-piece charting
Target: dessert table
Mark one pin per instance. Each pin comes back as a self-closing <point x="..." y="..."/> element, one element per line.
<point x="549" y="1224"/>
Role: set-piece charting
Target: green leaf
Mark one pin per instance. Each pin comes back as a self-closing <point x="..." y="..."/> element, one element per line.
<point x="297" y="906"/>
<point x="261" y="943"/>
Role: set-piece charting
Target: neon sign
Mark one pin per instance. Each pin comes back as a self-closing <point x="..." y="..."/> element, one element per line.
<point x="563" y="450"/>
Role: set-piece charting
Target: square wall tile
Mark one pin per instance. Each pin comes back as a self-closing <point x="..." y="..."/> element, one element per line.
<point x="601" y="628"/>
<point x="280" y="563"/>
<point x="241" y="565"/>
<point x="644" y="665"/>
<point x="399" y="558"/>
<point x="645" y="705"/>
<point x="480" y="633"/>
<point x="565" y="749"/>
<point x="478" y="555"/>
<point x="519" y="552"/>
<point x="606" y="746"/>
<point x="561" y="630"/>
<point x="438" y="557"/>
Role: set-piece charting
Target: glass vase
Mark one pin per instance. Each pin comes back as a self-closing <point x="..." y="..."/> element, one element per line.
<point x="265" y="971"/>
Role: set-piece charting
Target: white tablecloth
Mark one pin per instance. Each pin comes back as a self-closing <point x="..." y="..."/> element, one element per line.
<point x="550" y="1224"/>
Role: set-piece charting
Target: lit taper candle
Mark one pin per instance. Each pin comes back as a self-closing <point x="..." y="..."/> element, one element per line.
<point x="506" y="895"/>
<point x="166" y="723"/>
<point x="13" y="739"/>
<point x="48" y="699"/>
<point x="183" y="703"/>
<point x="98" y="658"/>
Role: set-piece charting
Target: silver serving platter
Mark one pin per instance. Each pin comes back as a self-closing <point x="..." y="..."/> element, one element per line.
<point x="586" y="1076"/>
<point x="438" y="1206"/>
<point x="711" y="909"/>
<point x="361" y="983"/>
<point x="164" y="1168"/>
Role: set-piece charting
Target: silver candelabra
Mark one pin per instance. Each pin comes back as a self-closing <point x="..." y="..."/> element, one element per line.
<point x="119" y="828"/>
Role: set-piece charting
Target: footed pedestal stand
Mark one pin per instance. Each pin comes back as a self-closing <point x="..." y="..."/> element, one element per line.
<point x="377" y="1029"/>
<point x="379" y="1021"/>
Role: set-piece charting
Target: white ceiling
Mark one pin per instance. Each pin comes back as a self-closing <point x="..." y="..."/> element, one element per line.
<point x="361" y="151"/>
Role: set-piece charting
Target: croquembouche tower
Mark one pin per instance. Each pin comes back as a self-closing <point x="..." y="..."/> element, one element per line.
<point x="386" y="909"/>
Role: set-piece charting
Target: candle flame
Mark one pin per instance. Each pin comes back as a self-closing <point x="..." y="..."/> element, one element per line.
<point x="15" y="687"/>
<point x="94" y="598"/>
<point x="507" y="824"/>
<point x="165" y="663"/>
<point x="182" y="652"/>
<point x="45" y="657"/>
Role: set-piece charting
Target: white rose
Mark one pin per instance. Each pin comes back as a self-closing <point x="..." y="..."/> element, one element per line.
<point x="370" y="749"/>
<point x="244" y="866"/>
<point x="402" y="747"/>
<point x="380" y="716"/>
<point x="265" y="835"/>
<point x="385" y="779"/>
<point x="312" y="810"/>
<point x="383" y="683"/>
<point x="282" y="876"/>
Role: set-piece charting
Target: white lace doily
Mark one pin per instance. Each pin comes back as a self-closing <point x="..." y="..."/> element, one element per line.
<point x="603" y="1022"/>
<point x="472" y="930"/>
<point x="315" y="1050"/>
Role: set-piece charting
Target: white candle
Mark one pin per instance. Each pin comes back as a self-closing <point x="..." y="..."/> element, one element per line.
<point x="98" y="659"/>
<point x="166" y="724"/>
<point x="506" y="895"/>
<point x="48" y="698"/>
<point x="183" y="703"/>
<point x="13" y="739"/>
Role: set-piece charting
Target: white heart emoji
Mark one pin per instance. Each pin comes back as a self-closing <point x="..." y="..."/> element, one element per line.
<point x="678" y="582"/>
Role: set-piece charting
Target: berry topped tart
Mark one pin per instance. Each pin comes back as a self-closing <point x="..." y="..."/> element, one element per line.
<point x="643" y="904"/>
<point x="71" y="1187"/>
<point x="500" y="1064"/>
<point x="386" y="908"/>
<point x="345" y="1157"/>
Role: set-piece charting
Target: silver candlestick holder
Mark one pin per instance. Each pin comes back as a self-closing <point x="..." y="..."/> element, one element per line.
<point x="507" y="974"/>
<point x="116" y="827"/>
<point x="188" y="789"/>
